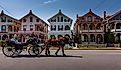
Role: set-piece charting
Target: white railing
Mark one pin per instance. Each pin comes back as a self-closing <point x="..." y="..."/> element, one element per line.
<point x="115" y="30"/>
<point x="29" y="31"/>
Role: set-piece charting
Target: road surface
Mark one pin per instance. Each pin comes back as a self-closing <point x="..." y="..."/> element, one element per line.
<point x="75" y="60"/>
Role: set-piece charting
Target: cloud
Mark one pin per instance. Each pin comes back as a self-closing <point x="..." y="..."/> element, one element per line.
<point x="48" y="2"/>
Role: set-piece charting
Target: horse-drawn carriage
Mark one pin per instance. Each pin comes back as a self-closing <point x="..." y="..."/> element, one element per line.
<point x="32" y="46"/>
<point x="11" y="49"/>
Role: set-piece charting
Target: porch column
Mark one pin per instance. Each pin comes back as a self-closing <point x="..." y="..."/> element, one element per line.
<point x="103" y="37"/>
<point x="96" y="38"/>
<point x="115" y="26"/>
<point x="88" y="38"/>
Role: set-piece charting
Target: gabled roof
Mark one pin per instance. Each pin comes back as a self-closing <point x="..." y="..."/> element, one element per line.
<point x="2" y="13"/>
<point x="59" y="13"/>
<point x="90" y="12"/>
<point x="114" y="15"/>
<point x="30" y="13"/>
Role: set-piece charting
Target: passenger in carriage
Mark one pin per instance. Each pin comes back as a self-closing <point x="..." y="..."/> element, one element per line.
<point x="15" y="41"/>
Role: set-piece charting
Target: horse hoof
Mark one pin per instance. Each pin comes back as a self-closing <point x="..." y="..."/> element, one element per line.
<point x="64" y="54"/>
<point x="56" y="54"/>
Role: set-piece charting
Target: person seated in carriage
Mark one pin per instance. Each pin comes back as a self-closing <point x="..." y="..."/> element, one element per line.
<point x="14" y="41"/>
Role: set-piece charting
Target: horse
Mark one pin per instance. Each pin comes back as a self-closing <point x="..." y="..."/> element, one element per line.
<point x="55" y="43"/>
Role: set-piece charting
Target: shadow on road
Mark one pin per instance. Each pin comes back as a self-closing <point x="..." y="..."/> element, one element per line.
<point x="33" y="56"/>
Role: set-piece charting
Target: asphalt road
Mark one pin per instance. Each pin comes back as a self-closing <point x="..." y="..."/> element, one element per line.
<point x="75" y="60"/>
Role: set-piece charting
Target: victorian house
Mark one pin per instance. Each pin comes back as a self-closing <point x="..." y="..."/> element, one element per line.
<point x="114" y="24"/>
<point x="89" y="28"/>
<point x="60" y="24"/>
<point x="31" y="23"/>
<point x="8" y="26"/>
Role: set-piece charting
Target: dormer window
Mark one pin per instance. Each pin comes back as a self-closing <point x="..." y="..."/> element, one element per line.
<point x="31" y="19"/>
<point x="89" y="19"/>
<point x="61" y="19"/>
<point x="58" y="19"/>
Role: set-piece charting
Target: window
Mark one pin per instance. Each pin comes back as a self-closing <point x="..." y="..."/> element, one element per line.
<point x="82" y="20"/>
<point x="3" y="28"/>
<point x="90" y="27"/>
<point x="67" y="27"/>
<point x="120" y="17"/>
<point x="24" y="27"/>
<point x="58" y="19"/>
<point x="60" y="27"/>
<point x="65" y="20"/>
<point x="37" y="20"/>
<point x="61" y="19"/>
<point x="51" y="28"/>
<point x="68" y="20"/>
<point x="55" y="27"/>
<point x="9" y="20"/>
<point x="89" y="18"/>
<point x="53" y="20"/>
<point x="3" y="19"/>
<point x="31" y="27"/>
<point x="24" y="20"/>
<point x="31" y="19"/>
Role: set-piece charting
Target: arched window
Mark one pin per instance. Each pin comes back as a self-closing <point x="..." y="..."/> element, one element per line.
<point x="85" y="38"/>
<point x="99" y="38"/>
<point x="89" y="18"/>
<point x="92" y="37"/>
<point x="98" y="26"/>
<point x="90" y="27"/>
<point x="9" y="28"/>
<point x="3" y="28"/>
<point x="67" y="27"/>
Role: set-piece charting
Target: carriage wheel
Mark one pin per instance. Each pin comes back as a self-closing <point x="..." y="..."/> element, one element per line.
<point x="8" y="51"/>
<point x="17" y="51"/>
<point x="33" y="51"/>
<point x="41" y="48"/>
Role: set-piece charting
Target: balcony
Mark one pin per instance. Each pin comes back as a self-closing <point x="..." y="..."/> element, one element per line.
<point x="85" y="31"/>
<point x="115" y="30"/>
<point x="29" y="32"/>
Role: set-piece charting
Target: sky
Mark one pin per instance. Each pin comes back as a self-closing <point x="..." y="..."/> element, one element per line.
<point x="47" y="8"/>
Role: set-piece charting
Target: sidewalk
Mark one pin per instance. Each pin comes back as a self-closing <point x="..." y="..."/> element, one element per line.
<point x="100" y="48"/>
